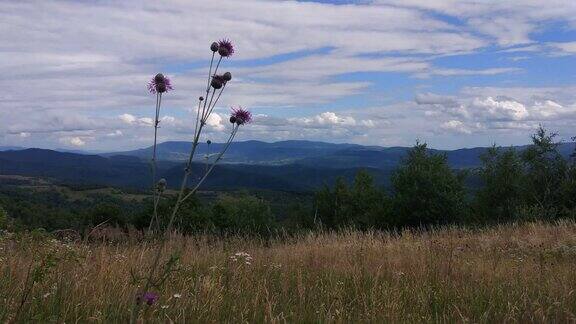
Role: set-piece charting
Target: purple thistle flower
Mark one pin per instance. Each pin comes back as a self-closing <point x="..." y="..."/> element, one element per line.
<point x="225" y="48"/>
<point x="240" y="116"/>
<point x="159" y="84"/>
<point x="148" y="297"/>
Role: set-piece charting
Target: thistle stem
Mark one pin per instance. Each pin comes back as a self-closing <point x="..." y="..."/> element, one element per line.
<point x="205" y="112"/>
<point x="210" y="73"/>
<point x="230" y="139"/>
<point x="156" y="122"/>
<point x="210" y="76"/>
<point x="210" y="109"/>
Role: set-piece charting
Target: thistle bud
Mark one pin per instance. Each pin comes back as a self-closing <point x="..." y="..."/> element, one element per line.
<point x="232" y="119"/>
<point x="227" y="76"/>
<point x="208" y="142"/>
<point x="214" y="47"/>
<point x="201" y="98"/>
<point x="161" y="185"/>
<point x="216" y="83"/>
<point x="161" y="87"/>
<point x="159" y="78"/>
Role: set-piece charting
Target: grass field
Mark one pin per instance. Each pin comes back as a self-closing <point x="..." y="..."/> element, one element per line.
<point x="515" y="273"/>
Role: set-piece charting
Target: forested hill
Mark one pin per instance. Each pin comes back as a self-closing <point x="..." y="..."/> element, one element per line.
<point x="287" y="165"/>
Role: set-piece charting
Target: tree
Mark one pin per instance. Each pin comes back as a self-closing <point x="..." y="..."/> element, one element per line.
<point x="369" y="204"/>
<point x="3" y="218"/>
<point x="568" y="188"/>
<point x="502" y="178"/>
<point x="333" y="204"/>
<point x="546" y="170"/>
<point x="361" y="205"/>
<point x="242" y="214"/>
<point x="426" y="190"/>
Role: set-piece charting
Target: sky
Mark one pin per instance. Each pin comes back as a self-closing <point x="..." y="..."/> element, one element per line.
<point x="452" y="73"/>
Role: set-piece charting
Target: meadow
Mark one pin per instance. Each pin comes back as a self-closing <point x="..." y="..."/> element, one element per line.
<point x="507" y="273"/>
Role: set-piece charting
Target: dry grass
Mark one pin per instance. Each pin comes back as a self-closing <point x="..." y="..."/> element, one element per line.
<point x="523" y="273"/>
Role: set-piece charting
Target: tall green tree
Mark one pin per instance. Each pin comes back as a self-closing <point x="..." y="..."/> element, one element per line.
<point x="546" y="171"/>
<point x="568" y="189"/>
<point x="502" y="177"/>
<point x="426" y="190"/>
<point x="242" y="214"/>
<point x="362" y="205"/>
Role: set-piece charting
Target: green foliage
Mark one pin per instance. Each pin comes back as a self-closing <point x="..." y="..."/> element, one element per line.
<point x="568" y="187"/>
<point x="545" y="171"/>
<point x="426" y="190"/>
<point x="242" y="214"/>
<point x="3" y="218"/>
<point x="361" y="206"/>
<point x="534" y="183"/>
<point x="502" y="176"/>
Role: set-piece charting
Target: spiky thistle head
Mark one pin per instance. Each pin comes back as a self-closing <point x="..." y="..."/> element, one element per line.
<point x="225" y="48"/>
<point x="159" y="84"/>
<point x="240" y="116"/>
<point x="148" y="297"/>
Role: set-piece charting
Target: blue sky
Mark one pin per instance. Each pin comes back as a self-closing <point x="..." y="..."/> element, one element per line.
<point x="381" y="72"/>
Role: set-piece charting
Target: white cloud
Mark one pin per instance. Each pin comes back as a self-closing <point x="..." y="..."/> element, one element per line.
<point x="500" y="109"/>
<point x="116" y="133"/>
<point x="133" y="120"/>
<point x="329" y="119"/>
<point x="565" y="48"/>
<point x="481" y="109"/>
<point x="127" y="118"/>
<point x="215" y="121"/>
<point x="455" y="126"/>
<point x="73" y="141"/>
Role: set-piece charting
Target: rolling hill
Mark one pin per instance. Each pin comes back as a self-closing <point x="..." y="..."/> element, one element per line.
<point x="287" y="165"/>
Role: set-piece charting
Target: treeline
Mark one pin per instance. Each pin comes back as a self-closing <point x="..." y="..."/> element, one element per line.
<point x="535" y="183"/>
<point x="513" y="185"/>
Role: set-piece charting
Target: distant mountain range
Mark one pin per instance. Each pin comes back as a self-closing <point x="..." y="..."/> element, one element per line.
<point x="287" y="165"/>
<point x="317" y="154"/>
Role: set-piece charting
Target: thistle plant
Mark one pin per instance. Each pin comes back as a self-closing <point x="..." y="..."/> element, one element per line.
<point x="215" y="86"/>
<point x="158" y="85"/>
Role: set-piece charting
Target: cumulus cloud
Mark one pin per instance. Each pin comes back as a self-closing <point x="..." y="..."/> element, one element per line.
<point x="329" y="119"/>
<point x="481" y="109"/>
<point x="133" y="120"/>
<point x="73" y="141"/>
<point x="455" y="126"/>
